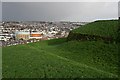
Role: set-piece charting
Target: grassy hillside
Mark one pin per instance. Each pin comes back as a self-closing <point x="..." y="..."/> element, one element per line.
<point x="72" y="59"/>
<point x="104" y="29"/>
<point x="0" y="62"/>
<point x="101" y="28"/>
<point x="63" y="58"/>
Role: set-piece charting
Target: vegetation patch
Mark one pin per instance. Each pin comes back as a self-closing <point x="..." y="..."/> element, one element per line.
<point x="72" y="59"/>
<point x="98" y="30"/>
<point x="90" y="57"/>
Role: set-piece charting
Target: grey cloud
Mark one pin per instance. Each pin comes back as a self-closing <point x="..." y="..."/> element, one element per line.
<point x="60" y="0"/>
<point x="119" y="9"/>
<point x="0" y="11"/>
<point x="56" y="11"/>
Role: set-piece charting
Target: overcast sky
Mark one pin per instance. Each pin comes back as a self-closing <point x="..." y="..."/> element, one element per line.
<point x="59" y="11"/>
<point x="0" y="11"/>
<point x="60" y="0"/>
<point x="119" y="9"/>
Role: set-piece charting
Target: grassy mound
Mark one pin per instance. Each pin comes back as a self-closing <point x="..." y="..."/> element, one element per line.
<point x="99" y="30"/>
<point x="73" y="59"/>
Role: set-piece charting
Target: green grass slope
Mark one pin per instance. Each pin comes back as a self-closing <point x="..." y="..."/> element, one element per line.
<point x="63" y="58"/>
<point x="0" y="62"/>
<point x="107" y="29"/>
<point x="101" y="28"/>
<point x="72" y="59"/>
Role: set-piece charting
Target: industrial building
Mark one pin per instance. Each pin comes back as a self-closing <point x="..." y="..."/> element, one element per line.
<point x="27" y="35"/>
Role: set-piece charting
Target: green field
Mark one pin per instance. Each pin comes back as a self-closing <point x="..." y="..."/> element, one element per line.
<point x="59" y="58"/>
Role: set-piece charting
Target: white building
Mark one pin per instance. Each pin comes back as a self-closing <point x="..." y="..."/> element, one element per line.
<point x="26" y="35"/>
